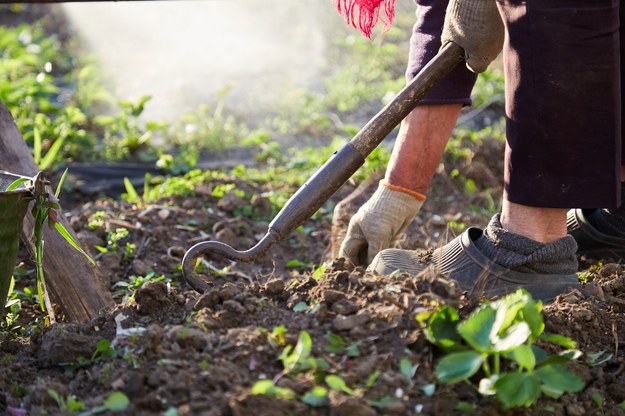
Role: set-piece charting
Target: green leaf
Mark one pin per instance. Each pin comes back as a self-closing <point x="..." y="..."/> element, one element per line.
<point x="594" y="358"/>
<point x="596" y="397"/>
<point x="560" y="340"/>
<point x="36" y="145"/>
<point x="316" y="397"/>
<point x="60" y="185"/>
<point x="405" y="366"/>
<point x="532" y="314"/>
<point x="465" y="407"/>
<point x="353" y="350"/>
<point x="383" y="402"/>
<point x="301" y="351"/>
<point x="11" y="288"/>
<point x="478" y="327"/>
<point x="517" y="389"/>
<point x="508" y="308"/>
<point x="55" y="395"/>
<point x="146" y="187"/>
<point x="300" y="307"/>
<point x="557" y="380"/>
<point x="116" y="402"/>
<point x="50" y="157"/>
<point x="68" y="237"/>
<point x="74" y="405"/>
<point x="277" y="335"/>
<point x="523" y="355"/>
<point x="428" y="389"/>
<point x="372" y="378"/>
<point x="335" y="343"/>
<point x="132" y="195"/>
<point x="540" y="354"/>
<point x="572" y="354"/>
<point x="171" y="412"/>
<point x="16" y="183"/>
<point x="516" y="335"/>
<point x="487" y="385"/>
<point x="267" y="387"/>
<point x="458" y="366"/>
<point x="440" y="327"/>
<point x="319" y="272"/>
<point x="336" y="383"/>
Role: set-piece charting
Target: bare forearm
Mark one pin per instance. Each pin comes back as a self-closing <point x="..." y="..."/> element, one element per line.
<point x="420" y="145"/>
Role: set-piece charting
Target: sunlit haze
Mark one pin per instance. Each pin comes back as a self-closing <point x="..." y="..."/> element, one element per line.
<point x="184" y="52"/>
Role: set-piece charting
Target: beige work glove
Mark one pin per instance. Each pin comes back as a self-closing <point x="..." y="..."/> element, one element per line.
<point x="476" y="26"/>
<point x="378" y="223"/>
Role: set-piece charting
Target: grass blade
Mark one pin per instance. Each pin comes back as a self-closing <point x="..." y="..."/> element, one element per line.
<point x="16" y="183"/>
<point x="68" y="237"/>
<point x="133" y="196"/>
<point x="37" y="146"/>
<point x="49" y="158"/>
<point x="58" y="187"/>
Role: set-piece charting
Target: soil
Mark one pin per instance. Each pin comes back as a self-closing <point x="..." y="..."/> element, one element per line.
<point x="176" y="351"/>
<point x="200" y="353"/>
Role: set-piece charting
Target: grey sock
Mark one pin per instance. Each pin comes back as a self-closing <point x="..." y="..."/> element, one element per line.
<point x="525" y="255"/>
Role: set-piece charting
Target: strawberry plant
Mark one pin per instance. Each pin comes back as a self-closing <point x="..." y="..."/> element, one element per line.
<point x="498" y="343"/>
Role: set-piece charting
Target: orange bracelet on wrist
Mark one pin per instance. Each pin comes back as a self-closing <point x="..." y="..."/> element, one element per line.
<point x="417" y="195"/>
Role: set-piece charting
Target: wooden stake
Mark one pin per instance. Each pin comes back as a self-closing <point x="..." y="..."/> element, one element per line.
<point x="74" y="283"/>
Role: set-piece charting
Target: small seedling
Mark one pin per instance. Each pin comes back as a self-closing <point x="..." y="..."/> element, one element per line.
<point x="102" y="351"/>
<point x="319" y="272"/>
<point x="465" y="407"/>
<point x="506" y="329"/>
<point x="597" y="358"/>
<point x="316" y="397"/>
<point x="277" y="336"/>
<point x="300" y="307"/>
<point x="67" y="404"/>
<point x="299" y="359"/>
<point x="128" y="288"/>
<point x="598" y="401"/>
<point x="407" y="369"/>
<point x="304" y="307"/>
<point x="268" y="387"/>
<point x="383" y="402"/>
<point x="336" y="345"/>
<point x="336" y="383"/>
<point x="372" y="378"/>
<point x="115" y="402"/>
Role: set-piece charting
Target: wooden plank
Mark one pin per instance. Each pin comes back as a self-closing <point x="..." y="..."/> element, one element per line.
<point x="73" y="282"/>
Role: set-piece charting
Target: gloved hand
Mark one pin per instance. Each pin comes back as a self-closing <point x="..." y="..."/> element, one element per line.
<point x="476" y="26"/>
<point x="378" y="223"/>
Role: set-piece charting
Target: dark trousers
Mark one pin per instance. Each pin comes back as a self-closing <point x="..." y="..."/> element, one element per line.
<point x="562" y="61"/>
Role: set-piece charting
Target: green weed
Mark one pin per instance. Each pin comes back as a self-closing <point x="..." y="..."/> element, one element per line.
<point x="126" y="289"/>
<point x="67" y="404"/>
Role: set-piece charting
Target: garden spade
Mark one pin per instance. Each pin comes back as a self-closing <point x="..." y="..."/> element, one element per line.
<point x="335" y="172"/>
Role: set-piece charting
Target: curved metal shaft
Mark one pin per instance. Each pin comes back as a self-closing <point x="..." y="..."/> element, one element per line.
<point x="224" y="250"/>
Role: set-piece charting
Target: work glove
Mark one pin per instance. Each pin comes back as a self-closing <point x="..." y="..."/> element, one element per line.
<point x="378" y="223"/>
<point x="475" y="26"/>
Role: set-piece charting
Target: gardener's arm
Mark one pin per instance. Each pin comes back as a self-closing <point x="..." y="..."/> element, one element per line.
<point x="474" y="25"/>
<point x="416" y="155"/>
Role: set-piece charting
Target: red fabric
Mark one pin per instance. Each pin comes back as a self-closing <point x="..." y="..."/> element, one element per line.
<point x="365" y="14"/>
